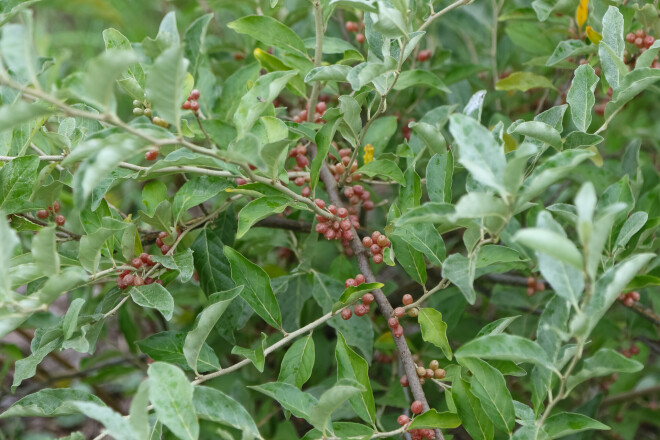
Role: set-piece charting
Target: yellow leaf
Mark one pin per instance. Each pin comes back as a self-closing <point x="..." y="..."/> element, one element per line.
<point x="582" y="12"/>
<point x="368" y="153"/>
<point x="594" y="36"/>
<point x="597" y="159"/>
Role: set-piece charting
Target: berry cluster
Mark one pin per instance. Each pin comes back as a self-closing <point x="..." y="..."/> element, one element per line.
<point x="357" y="194"/>
<point x="630" y="298"/>
<point x="336" y="229"/>
<point x="52" y="210"/>
<point x="631" y="351"/>
<point x="299" y="152"/>
<point x="433" y="371"/>
<point x="159" y="242"/>
<point x="640" y="39"/>
<point x="362" y="308"/>
<point x="416" y="434"/>
<point x="151" y="155"/>
<point x="192" y="101"/>
<point x="400" y="311"/>
<point x="606" y="383"/>
<point x="406" y="131"/>
<point x="126" y="278"/>
<point x="376" y="243"/>
<point x="352" y="26"/>
<point x="534" y="285"/>
<point x="318" y="114"/>
<point x="144" y="109"/>
<point x="338" y="168"/>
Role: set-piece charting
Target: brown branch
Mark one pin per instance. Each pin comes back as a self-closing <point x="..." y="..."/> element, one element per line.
<point x="622" y="397"/>
<point x="383" y="304"/>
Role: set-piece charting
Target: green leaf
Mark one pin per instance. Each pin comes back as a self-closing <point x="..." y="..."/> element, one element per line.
<point x="172" y="398"/>
<point x="12" y="116"/>
<point x="298" y="362"/>
<point x="364" y="5"/>
<point x="49" y="403"/>
<point x="351" y="366"/>
<point x="216" y="406"/>
<point x="631" y="85"/>
<point x="603" y="363"/>
<point x="17" y="177"/>
<point x="424" y="238"/>
<point x="115" y="424"/>
<point x="197" y="190"/>
<point x="410" y="259"/>
<point x="539" y="131"/>
<point x="256" y="356"/>
<point x="423" y="78"/>
<point x="410" y="194"/>
<point x="270" y="32"/>
<point x="581" y="97"/>
<point x="211" y="264"/>
<point x="550" y="243"/>
<point x="353" y="293"/>
<point x="102" y="72"/>
<point x="27" y="367"/>
<point x="489" y="386"/>
<point x="473" y="418"/>
<point x="181" y="261"/>
<point x="154" y="296"/>
<point x="497" y="327"/>
<point x="478" y="151"/>
<point x="335" y="72"/>
<point x="259" y="98"/>
<point x="563" y="424"/>
<point x="258" y="292"/>
<point x="439" y="173"/>
<point x="505" y="347"/>
<point x="165" y="81"/>
<point x="290" y="397"/>
<point x="167" y="347"/>
<point x="131" y="80"/>
<point x="194" y="39"/>
<point x="435" y="419"/>
<point x="139" y="412"/>
<point x="44" y="251"/>
<point x="646" y="59"/>
<point x="70" y="321"/>
<point x="323" y="141"/>
<point x="460" y="270"/>
<point x="632" y="225"/>
<point x="195" y="339"/>
<point x="612" y="38"/>
<point x="430" y="212"/>
<point x="524" y="81"/>
<point x="385" y="168"/>
<point x="434" y="330"/>
<point x="330" y="401"/>
<point x="569" y="48"/>
<point x="259" y="209"/>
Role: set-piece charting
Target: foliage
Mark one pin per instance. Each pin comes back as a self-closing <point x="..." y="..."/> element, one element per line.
<point x="329" y="219"/>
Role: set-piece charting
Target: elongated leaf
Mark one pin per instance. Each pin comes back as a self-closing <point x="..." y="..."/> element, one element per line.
<point x="460" y="271"/>
<point x="49" y="403"/>
<point x="115" y="424"/>
<point x="167" y="347"/>
<point x="552" y="244"/>
<point x="154" y="296"/>
<point x="195" y="191"/>
<point x="410" y="259"/>
<point x="385" y="168"/>
<point x="580" y="96"/>
<point x="439" y="172"/>
<point x="435" y="419"/>
<point x="330" y="401"/>
<point x="259" y="209"/>
<point x="165" y="81"/>
<point x="505" y="347"/>
<point x="216" y="406"/>
<point x="563" y="424"/>
<point x="523" y="81"/>
<point x="257" y="292"/>
<point x="603" y="363"/>
<point x="290" y="397"/>
<point x="434" y="330"/>
<point x="207" y="319"/>
<point x="538" y="130"/>
<point x="172" y="398"/>
<point x="44" y="251"/>
<point x="298" y="362"/>
<point x="270" y="32"/>
<point x="352" y="293"/>
<point x="473" y="418"/>
<point x="612" y="38"/>
<point x="352" y="367"/>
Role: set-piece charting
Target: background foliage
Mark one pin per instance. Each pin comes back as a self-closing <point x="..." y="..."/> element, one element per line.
<point x="507" y="149"/>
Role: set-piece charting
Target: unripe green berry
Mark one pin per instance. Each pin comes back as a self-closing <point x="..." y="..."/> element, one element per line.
<point x="137" y="111"/>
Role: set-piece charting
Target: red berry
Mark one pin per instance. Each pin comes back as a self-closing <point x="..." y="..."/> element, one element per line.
<point x="628" y="302"/>
<point x="332" y="209"/>
<point x="194" y="106"/>
<point x="530" y="291"/>
<point x="416" y="407"/>
<point x="165" y="249"/>
<point x="306" y="191"/>
<point x="194" y="95"/>
<point x="360" y="309"/>
<point x="367" y="242"/>
<point x="424" y="55"/>
<point x="639" y="42"/>
<point x="360" y="38"/>
<point x="136" y="263"/>
<point x="352" y="26"/>
<point x="368" y="205"/>
<point x="128" y="280"/>
<point x="151" y="155"/>
<point x="302" y="160"/>
<point x="329" y="234"/>
<point x="382" y="241"/>
<point x="634" y="295"/>
<point x="404" y="381"/>
<point x="320" y="203"/>
<point x="375" y="249"/>
<point x="299" y="181"/>
<point x="159" y="242"/>
<point x="399" y="312"/>
<point x="367" y="299"/>
<point x="345" y="225"/>
<point x="148" y="280"/>
<point x="186" y="105"/>
<point x="403" y="420"/>
<point x="630" y="38"/>
<point x="531" y="281"/>
<point x="640" y="33"/>
<point x="540" y="286"/>
<point x="321" y="107"/>
<point x="240" y="181"/>
<point x="350" y="283"/>
<point x="56" y="206"/>
<point x="348" y="192"/>
<point x="60" y="220"/>
<point x="346" y="314"/>
<point x="342" y="213"/>
<point x="378" y="258"/>
<point x="398" y="332"/>
<point x="407" y="299"/>
<point x="359" y="279"/>
<point x="375" y="235"/>
<point x="344" y="152"/>
<point x="393" y="322"/>
<point x="634" y="349"/>
<point x="159" y="282"/>
<point x="42" y="213"/>
<point x="138" y="281"/>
